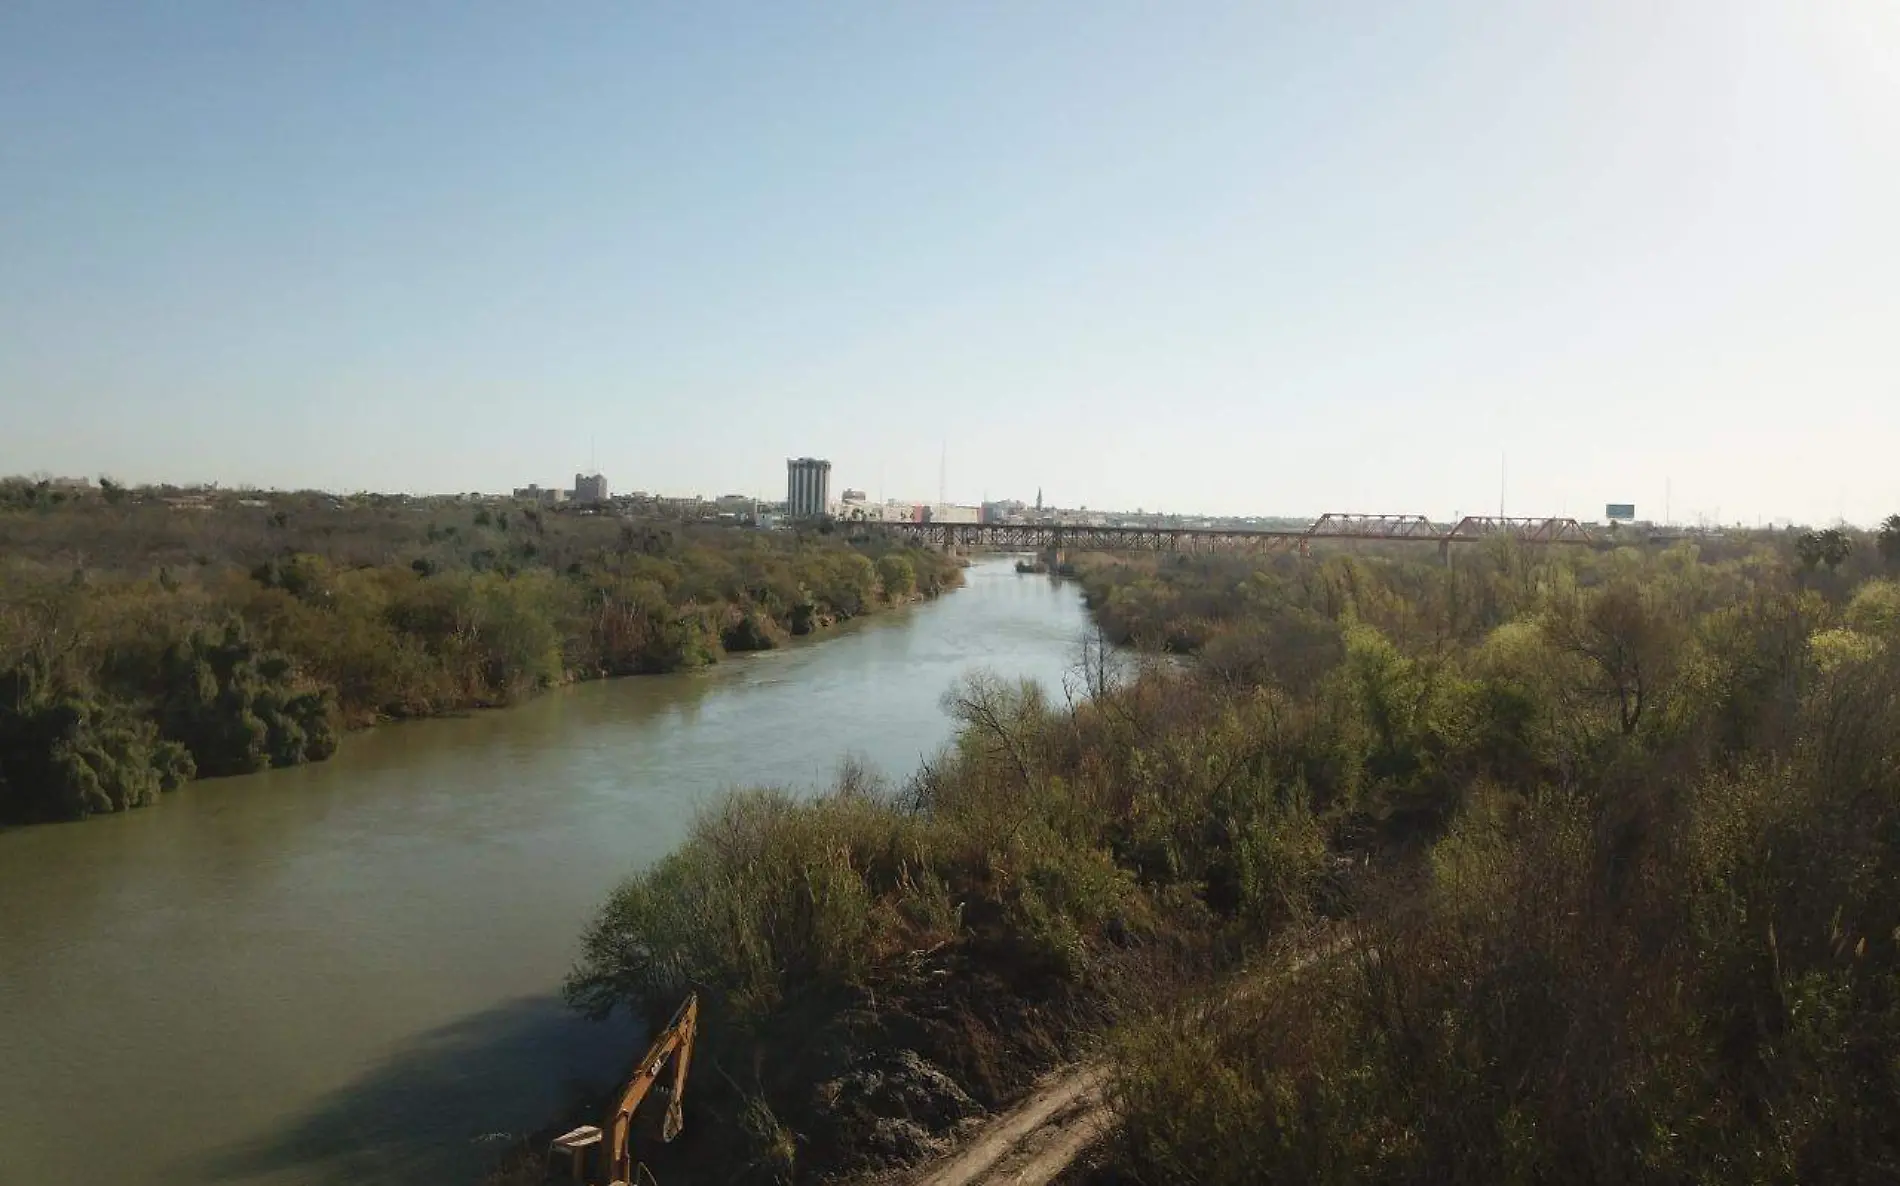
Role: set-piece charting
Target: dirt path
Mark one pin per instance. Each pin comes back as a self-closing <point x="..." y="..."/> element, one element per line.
<point x="1033" y="1142"/>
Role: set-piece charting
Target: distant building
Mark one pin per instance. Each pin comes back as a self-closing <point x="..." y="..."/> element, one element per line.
<point x="807" y="487"/>
<point x="879" y="512"/>
<point x="949" y="513"/>
<point x="851" y="495"/>
<point x="590" y="488"/>
<point x="536" y="493"/>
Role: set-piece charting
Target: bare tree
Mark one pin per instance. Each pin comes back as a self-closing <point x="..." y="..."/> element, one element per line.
<point x="999" y="716"/>
<point x="1629" y="645"/>
<point x="1100" y="669"/>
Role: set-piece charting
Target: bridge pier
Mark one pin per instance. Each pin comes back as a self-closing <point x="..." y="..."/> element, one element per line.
<point x="1054" y="556"/>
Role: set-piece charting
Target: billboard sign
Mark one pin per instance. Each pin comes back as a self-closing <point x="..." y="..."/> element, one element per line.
<point x="1620" y="512"/>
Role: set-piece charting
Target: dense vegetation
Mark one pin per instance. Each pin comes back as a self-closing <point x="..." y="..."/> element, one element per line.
<point x="1649" y="933"/>
<point x="145" y="641"/>
<point x="1549" y="865"/>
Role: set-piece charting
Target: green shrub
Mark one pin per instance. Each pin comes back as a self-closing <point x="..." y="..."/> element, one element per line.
<point x="63" y="757"/>
<point x="237" y="709"/>
<point x="751" y="630"/>
<point x="898" y="576"/>
<point x="769" y="896"/>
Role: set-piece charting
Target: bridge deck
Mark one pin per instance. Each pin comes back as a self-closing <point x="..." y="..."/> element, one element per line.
<point x="1397" y="528"/>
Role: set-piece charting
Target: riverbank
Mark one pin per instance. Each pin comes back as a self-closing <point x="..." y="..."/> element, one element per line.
<point x="894" y="962"/>
<point x="228" y="641"/>
<point x="1525" y="780"/>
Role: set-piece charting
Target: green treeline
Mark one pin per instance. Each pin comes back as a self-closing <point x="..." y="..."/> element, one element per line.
<point x="144" y="643"/>
<point x="1549" y="865"/>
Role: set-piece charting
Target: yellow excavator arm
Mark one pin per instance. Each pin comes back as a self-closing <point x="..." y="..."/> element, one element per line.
<point x="672" y="1046"/>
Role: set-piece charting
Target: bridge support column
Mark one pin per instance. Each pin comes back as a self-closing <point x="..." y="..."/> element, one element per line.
<point x="1444" y="552"/>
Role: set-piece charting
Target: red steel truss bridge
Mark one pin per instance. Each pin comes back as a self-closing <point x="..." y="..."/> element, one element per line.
<point x="1069" y="537"/>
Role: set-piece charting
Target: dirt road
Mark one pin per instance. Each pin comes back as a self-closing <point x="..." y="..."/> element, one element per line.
<point x="1033" y="1142"/>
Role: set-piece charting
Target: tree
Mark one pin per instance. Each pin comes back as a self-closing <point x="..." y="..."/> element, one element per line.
<point x="1830" y="547"/>
<point x="1836" y="546"/>
<point x="1875" y="608"/>
<point x="1628" y="644"/>
<point x="1889" y="539"/>
<point x="1807" y="549"/>
<point x="898" y="576"/>
<point x="846" y="581"/>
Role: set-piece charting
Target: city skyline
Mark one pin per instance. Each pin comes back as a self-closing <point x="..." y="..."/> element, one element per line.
<point x="534" y="492"/>
<point x="1243" y="259"/>
<point x="1666" y="506"/>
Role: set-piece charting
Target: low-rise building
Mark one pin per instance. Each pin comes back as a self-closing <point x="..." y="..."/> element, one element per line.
<point x="880" y="512"/>
<point x="951" y="513"/>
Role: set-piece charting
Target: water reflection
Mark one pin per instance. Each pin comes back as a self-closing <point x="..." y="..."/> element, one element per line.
<point x="412" y="1118"/>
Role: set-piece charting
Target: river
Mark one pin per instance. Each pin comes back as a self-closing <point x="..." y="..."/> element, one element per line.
<point x="348" y="972"/>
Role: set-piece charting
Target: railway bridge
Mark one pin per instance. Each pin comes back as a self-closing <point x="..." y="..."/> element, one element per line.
<point x="1054" y="540"/>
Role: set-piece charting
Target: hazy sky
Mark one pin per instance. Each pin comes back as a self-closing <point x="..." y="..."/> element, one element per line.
<point x="1231" y="257"/>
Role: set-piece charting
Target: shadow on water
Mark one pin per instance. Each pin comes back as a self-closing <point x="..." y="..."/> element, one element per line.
<point x="444" y="1106"/>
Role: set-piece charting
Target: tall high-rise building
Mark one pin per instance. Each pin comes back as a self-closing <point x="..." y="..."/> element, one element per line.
<point x="807" y="487"/>
<point x="589" y="488"/>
